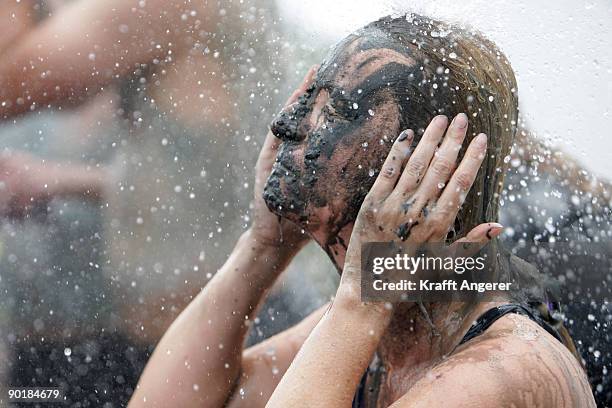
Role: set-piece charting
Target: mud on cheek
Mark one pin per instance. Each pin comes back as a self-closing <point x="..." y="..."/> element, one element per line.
<point x="352" y="170"/>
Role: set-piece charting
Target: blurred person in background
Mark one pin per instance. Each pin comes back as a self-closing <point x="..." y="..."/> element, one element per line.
<point x="51" y="292"/>
<point x="159" y="198"/>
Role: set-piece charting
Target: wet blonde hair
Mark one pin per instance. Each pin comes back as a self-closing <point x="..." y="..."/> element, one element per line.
<point x="462" y="72"/>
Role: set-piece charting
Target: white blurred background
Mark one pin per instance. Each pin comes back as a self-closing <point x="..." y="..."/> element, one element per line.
<point x="561" y="52"/>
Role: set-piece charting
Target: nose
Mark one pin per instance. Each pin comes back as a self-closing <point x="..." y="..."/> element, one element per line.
<point x="289" y="124"/>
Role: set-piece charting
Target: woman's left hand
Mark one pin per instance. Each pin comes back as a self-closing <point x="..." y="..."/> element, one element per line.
<point x="417" y="194"/>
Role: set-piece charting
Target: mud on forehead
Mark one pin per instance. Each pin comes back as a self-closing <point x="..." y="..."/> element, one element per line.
<point x="356" y="61"/>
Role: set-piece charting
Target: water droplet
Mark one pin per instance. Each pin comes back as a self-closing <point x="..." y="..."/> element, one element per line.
<point x="452" y="55"/>
<point x="441" y="185"/>
<point x="495" y="360"/>
<point x="67" y="351"/>
<point x="523" y="330"/>
<point x="575" y="200"/>
<point x="371" y="172"/>
<point x="355" y="106"/>
<point x="491" y="98"/>
<point x="370" y="112"/>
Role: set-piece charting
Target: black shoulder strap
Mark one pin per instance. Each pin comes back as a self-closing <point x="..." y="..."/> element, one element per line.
<point x="369" y="386"/>
<point x="490" y="316"/>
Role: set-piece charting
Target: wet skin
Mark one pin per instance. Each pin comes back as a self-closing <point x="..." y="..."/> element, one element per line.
<point x="336" y="136"/>
<point x="331" y="153"/>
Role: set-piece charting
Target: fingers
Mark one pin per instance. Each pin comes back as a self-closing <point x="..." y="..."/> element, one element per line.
<point x="460" y="183"/>
<point x="306" y="82"/>
<point x="421" y="201"/>
<point x="444" y="160"/>
<point x="421" y="157"/>
<point x="267" y="155"/>
<point x="391" y="169"/>
<point x="483" y="233"/>
<point x="477" y="238"/>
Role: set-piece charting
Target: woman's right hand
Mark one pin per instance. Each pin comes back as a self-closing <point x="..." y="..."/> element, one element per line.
<point x="268" y="229"/>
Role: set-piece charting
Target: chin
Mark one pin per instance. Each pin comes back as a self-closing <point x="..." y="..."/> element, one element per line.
<point x="283" y="202"/>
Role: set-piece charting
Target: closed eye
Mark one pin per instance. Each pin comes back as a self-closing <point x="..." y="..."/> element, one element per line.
<point x="339" y="109"/>
<point x="331" y="111"/>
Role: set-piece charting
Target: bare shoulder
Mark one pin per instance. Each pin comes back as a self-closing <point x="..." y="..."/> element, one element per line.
<point x="515" y="363"/>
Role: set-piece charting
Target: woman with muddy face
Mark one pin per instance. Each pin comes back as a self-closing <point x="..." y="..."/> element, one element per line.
<point x="393" y="74"/>
<point x="332" y="179"/>
<point x="345" y="173"/>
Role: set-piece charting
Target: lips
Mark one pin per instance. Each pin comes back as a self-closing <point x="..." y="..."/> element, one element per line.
<point x="283" y="192"/>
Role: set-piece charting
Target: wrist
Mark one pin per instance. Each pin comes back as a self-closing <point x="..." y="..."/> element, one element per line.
<point x="348" y="302"/>
<point x="275" y="249"/>
<point x="366" y="320"/>
<point x="270" y="260"/>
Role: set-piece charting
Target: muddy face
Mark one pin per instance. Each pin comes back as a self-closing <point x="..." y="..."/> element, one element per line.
<point x="336" y="136"/>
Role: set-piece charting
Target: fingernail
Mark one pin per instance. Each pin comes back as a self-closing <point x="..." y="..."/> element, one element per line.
<point x="494" y="230"/>
<point x="407" y="134"/>
<point x="460" y="121"/>
<point x="440" y="120"/>
<point x="481" y="140"/>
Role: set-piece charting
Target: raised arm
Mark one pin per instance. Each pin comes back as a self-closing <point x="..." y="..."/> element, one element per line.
<point x="198" y="362"/>
<point x="90" y="43"/>
<point x="344" y="341"/>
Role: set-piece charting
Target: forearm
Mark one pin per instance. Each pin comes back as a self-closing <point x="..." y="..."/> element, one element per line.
<point x="87" y="45"/>
<point x="197" y="362"/>
<point x="334" y="357"/>
<point x="79" y="181"/>
<point x="15" y="20"/>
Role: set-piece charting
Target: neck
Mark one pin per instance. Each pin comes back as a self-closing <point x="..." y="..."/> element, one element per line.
<point x="419" y="335"/>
